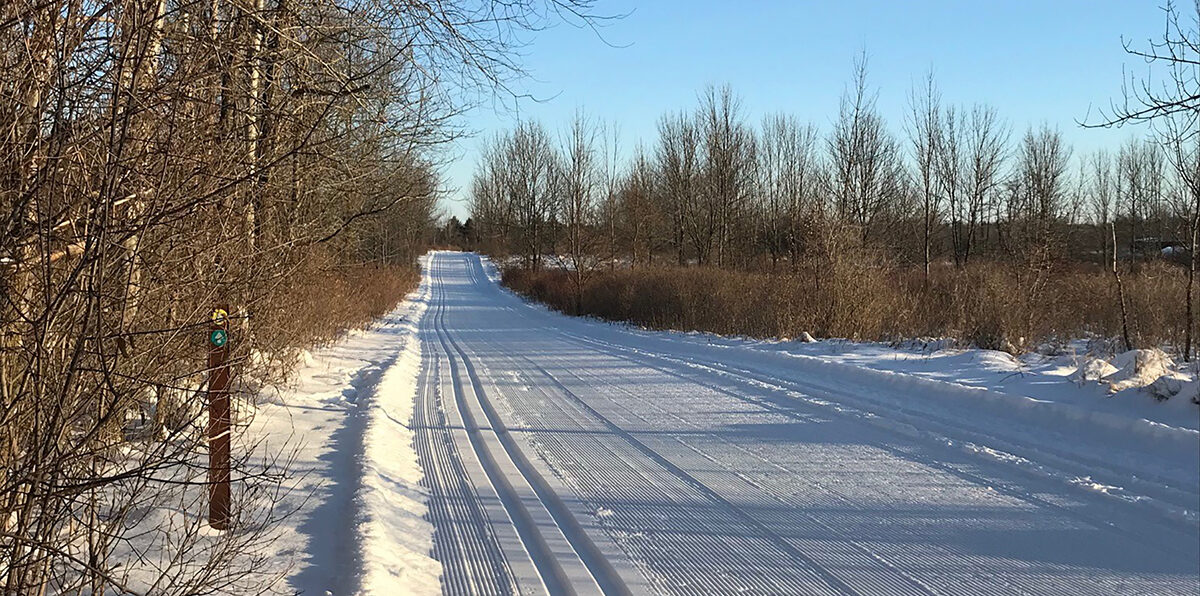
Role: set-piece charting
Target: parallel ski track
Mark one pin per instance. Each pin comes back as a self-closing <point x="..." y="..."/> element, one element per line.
<point x="890" y="577"/>
<point x="792" y="571"/>
<point x="900" y="582"/>
<point x="547" y="564"/>
<point x="471" y="557"/>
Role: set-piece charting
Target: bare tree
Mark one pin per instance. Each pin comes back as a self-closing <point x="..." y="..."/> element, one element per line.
<point x="1102" y="192"/>
<point x="864" y="159"/>
<point x="531" y="161"/>
<point x="1042" y="183"/>
<point x="728" y="161"/>
<point x="490" y="209"/>
<point x="1126" y="338"/>
<point x="951" y="176"/>
<point x="925" y="134"/>
<point x="987" y="140"/>
<point x="609" y="202"/>
<point x="637" y="207"/>
<point x="1140" y="169"/>
<point x="678" y="162"/>
<point x="788" y="184"/>
<point x="1178" y="92"/>
<point x="580" y="177"/>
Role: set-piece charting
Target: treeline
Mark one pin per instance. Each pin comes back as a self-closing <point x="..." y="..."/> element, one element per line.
<point x="955" y="184"/>
<point x="159" y="159"/>
<point x="952" y="203"/>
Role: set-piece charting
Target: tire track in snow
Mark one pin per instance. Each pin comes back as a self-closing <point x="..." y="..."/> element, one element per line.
<point x="798" y="557"/>
<point x="903" y="582"/>
<point x="907" y="584"/>
<point x="770" y="560"/>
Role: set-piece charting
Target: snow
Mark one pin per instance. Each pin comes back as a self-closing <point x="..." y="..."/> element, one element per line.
<point x="472" y="442"/>
<point x="1073" y="378"/>
<point x="1093" y="369"/>
<point x="1138" y="368"/>
<point x="357" y="511"/>
<point x="565" y="452"/>
<point x="328" y="499"/>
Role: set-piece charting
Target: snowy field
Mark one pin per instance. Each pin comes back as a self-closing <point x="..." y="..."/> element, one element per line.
<point x="472" y="443"/>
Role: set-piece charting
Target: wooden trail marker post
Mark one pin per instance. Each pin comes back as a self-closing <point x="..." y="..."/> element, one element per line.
<point x="218" y="420"/>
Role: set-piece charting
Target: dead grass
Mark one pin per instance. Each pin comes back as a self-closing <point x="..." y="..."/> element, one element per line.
<point x="990" y="305"/>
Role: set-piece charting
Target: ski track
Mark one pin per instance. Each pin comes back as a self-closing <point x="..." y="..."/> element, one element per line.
<point x="562" y="457"/>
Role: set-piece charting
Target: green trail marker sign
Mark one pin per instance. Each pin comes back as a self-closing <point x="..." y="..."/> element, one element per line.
<point x="218" y="420"/>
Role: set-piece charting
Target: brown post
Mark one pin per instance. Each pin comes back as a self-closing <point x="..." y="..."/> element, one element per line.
<point x="218" y="420"/>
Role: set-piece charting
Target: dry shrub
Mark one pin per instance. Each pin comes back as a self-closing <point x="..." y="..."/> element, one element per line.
<point x="848" y="297"/>
<point x="317" y="304"/>
<point x="332" y="301"/>
<point x="552" y="287"/>
<point x="991" y="305"/>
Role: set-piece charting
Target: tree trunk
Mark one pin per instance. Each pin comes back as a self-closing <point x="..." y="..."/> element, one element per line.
<point x="1189" y="324"/>
<point x="1121" y="294"/>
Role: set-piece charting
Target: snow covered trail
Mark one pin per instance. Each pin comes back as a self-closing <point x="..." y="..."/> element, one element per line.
<point x="352" y="500"/>
<point x="569" y="456"/>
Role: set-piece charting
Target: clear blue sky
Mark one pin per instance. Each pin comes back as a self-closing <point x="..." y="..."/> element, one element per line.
<point x="1035" y="61"/>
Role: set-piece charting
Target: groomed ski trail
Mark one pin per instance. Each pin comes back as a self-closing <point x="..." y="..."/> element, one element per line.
<point x="568" y="456"/>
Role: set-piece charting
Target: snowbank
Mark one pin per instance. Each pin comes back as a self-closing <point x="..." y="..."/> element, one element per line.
<point x="355" y="508"/>
<point x="397" y="539"/>
<point x="1143" y="385"/>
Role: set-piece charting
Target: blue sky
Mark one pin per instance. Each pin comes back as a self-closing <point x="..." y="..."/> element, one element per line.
<point x="1033" y="61"/>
